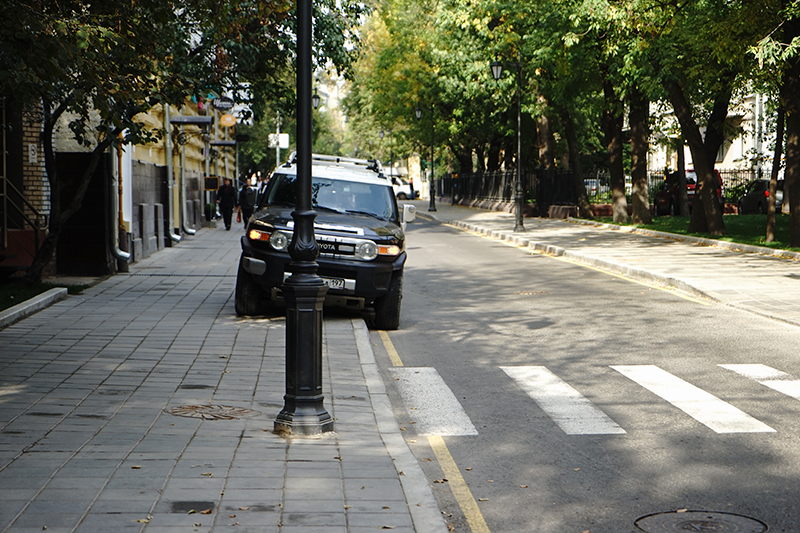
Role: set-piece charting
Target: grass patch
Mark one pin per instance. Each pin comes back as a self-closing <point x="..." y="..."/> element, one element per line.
<point x="13" y="293"/>
<point x="742" y="229"/>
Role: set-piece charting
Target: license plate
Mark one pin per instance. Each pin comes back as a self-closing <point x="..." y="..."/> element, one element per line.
<point x="333" y="283"/>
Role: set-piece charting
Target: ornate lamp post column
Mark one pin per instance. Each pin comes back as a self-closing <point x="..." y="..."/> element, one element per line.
<point x="303" y="412"/>
<point x="519" y="197"/>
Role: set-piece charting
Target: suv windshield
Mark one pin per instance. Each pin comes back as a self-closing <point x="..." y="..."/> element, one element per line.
<point x="336" y="195"/>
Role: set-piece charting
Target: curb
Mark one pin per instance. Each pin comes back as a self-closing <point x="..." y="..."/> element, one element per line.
<point x="424" y="509"/>
<point x="636" y="273"/>
<point x="31" y="306"/>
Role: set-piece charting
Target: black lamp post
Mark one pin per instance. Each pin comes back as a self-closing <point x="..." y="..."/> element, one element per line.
<point x="497" y="71"/>
<point x="432" y="193"/>
<point x="303" y="411"/>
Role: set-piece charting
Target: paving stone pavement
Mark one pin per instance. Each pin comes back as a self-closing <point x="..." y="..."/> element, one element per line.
<point x="92" y="389"/>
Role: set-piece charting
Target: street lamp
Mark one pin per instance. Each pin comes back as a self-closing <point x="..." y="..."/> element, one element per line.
<point x="497" y="71"/>
<point x="432" y="193"/>
<point x="303" y="410"/>
<point x="315" y="99"/>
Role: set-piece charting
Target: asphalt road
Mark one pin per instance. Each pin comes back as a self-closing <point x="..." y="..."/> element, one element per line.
<point x="572" y="400"/>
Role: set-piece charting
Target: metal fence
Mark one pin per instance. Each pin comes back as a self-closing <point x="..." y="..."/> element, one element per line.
<point x="544" y="188"/>
<point x="557" y="187"/>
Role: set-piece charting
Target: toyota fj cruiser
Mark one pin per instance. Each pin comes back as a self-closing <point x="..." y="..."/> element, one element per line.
<point x="359" y="231"/>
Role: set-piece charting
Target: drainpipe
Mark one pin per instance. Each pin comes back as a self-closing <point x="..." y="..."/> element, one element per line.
<point x="170" y="179"/>
<point x="116" y="213"/>
<point x="184" y="218"/>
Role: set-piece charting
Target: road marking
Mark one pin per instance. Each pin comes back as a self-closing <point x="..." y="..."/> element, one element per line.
<point x="431" y="404"/>
<point x="387" y="343"/>
<point x="568" y="408"/>
<point x="769" y="377"/>
<point x="706" y="408"/>
<point x="458" y="486"/>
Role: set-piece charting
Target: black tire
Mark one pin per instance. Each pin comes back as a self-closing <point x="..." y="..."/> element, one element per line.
<point x="402" y="196"/>
<point x="249" y="298"/>
<point x="387" y="307"/>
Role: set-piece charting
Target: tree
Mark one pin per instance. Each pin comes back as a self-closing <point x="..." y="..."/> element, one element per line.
<point x="96" y="65"/>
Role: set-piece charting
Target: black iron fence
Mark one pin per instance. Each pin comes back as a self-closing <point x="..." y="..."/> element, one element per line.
<point x="557" y="187"/>
<point x="544" y="188"/>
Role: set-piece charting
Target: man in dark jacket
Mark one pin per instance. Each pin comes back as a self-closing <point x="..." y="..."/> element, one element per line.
<point x="226" y="198"/>
<point x="263" y="180"/>
<point x="247" y="201"/>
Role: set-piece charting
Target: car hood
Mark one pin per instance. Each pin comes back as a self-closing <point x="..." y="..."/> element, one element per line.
<point x="333" y="222"/>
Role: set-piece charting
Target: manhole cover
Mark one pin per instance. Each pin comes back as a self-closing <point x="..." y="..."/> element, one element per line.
<point x="701" y="522"/>
<point x="212" y="412"/>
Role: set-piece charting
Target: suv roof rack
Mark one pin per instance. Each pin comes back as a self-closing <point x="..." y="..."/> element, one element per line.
<point x="369" y="164"/>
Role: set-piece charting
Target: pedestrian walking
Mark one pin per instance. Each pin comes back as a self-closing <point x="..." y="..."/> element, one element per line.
<point x="261" y="197"/>
<point x="226" y="198"/>
<point x="247" y="201"/>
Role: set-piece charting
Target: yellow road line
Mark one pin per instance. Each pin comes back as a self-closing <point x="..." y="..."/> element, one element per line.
<point x="387" y="343"/>
<point x="458" y="486"/>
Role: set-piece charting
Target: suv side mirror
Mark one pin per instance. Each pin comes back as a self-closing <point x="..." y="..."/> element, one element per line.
<point x="409" y="214"/>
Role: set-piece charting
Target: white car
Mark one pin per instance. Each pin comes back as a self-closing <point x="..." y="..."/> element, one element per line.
<point x="402" y="189"/>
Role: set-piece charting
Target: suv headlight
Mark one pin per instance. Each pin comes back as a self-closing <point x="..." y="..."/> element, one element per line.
<point x="367" y="251"/>
<point x="278" y="240"/>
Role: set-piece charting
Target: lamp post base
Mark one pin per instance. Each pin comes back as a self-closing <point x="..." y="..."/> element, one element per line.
<point x="303" y="412"/>
<point x="308" y="420"/>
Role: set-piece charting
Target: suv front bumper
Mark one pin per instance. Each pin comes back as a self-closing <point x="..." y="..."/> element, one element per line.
<point x="350" y="283"/>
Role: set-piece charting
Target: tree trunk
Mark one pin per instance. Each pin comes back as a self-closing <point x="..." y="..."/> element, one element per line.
<point x="493" y="156"/>
<point x="790" y="94"/>
<point x="683" y="197"/>
<point x="584" y="207"/>
<point x="544" y="133"/>
<point x="612" y="128"/>
<point x="773" y="178"/>
<point x="638" y="118"/>
<point x="706" y="211"/>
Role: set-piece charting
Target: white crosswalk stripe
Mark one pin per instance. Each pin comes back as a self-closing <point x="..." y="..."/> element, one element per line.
<point x="431" y="404"/>
<point x="435" y="410"/>
<point x="568" y="408"/>
<point x="704" y="407"/>
<point x="769" y="377"/>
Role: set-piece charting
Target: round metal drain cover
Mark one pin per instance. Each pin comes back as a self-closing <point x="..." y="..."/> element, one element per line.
<point x="212" y="412"/>
<point x="701" y="522"/>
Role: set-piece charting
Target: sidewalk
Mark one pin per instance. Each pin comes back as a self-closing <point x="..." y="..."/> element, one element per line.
<point x="145" y="404"/>
<point x="761" y="283"/>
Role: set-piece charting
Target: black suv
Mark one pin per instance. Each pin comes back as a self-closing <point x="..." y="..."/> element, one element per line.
<point x="359" y="231"/>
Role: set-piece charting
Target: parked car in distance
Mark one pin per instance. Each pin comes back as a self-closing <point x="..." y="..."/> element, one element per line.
<point x="402" y="189"/>
<point x="595" y="186"/>
<point x="666" y="198"/>
<point x="756" y="197"/>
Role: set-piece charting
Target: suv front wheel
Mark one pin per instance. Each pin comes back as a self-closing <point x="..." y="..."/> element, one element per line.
<point x="387" y="307"/>
<point x="249" y="298"/>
